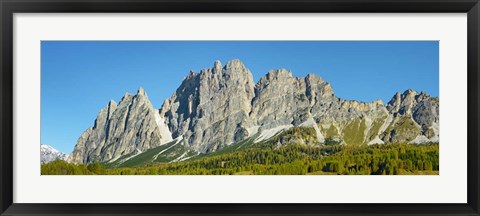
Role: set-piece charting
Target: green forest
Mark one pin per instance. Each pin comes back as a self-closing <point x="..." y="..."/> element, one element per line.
<point x="286" y="159"/>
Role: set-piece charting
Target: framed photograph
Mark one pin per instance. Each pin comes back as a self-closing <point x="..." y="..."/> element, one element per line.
<point x="238" y="107"/>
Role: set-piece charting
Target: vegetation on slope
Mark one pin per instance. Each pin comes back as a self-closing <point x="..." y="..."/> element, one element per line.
<point x="375" y="127"/>
<point x="289" y="158"/>
<point x="168" y="152"/>
<point x="404" y="130"/>
<point x="353" y="133"/>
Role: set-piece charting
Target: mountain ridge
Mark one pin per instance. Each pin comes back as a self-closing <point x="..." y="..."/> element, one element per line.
<point x="49" y="154"/>
<point x="222" y="105"/>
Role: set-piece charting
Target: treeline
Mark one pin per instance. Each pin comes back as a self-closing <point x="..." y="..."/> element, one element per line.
<point x="60" y="167"/>
<point x="289" y="159"/>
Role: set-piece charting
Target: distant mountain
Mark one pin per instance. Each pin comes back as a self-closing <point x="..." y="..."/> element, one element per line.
<point x="222" y="106"/>
<point x="49" y="154"/>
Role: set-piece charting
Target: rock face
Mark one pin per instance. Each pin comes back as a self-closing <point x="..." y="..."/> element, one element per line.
<point x="415" y="116"/>
<point x="130" y="127"/>
<point x="211" y="109"/>
<point x="284" y="101"/>
<point x="280" y="100"/>
<point x="49" y="154"/>
<point x="221" y="105"/>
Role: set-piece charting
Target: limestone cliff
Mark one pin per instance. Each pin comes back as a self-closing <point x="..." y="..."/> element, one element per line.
<point x="130" y="127"/>
<point x="222" y="105"/>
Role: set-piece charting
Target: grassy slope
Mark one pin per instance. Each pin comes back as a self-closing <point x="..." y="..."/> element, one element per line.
<point x="172" y="151"/>
<point x="169" y="152"/>
<point x="242" y="145"/>
<point x="268" y="157"/>
<point x="353" y="135"/>
<point x="354" y="132"/>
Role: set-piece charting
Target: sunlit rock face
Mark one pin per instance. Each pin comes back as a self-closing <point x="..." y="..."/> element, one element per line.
<point x="130" y="127"/>
<point x="211" y="109"/>
<point x="222" y="105"/>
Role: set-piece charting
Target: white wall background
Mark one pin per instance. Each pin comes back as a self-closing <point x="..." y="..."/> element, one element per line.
<point x="449" y="186"/>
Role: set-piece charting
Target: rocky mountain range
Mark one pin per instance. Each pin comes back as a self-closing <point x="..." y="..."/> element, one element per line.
<point x="222" y="105"/>
<point x="49" y="154"/>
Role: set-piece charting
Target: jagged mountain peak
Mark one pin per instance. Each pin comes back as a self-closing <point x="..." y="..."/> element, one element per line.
<point x="49" y="154"/>
<point x="217" y="65"/>
<point x="203" y="104"/>
<point x="129" y="127"/>
<point x="279" y="73"/>
<point x="409" y="92"/>
<point x="314" y="78"/>
<point x="234" y="64"/>
<point x="190" y="75"/>
<point x="141" y="95"/>
<point x="233" y="69"/>
<point x="141" y="91"/>
<point x="126" y="96"/>
<point x="112" y="103"/>
<point x="378" y="102"/>
<point x="401" y="96"/>
<point x="404" y="102"/>
<point x="222" y="105"/>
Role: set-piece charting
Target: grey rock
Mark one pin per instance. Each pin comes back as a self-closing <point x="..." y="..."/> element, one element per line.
<point x="421" y="111"/>
<point x="220" y="106"/>
<point x="130" y="127"/>
<point x="211" y="109"/>
<point x="280" y="99"/>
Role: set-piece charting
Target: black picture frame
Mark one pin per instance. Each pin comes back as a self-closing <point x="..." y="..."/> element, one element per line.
<point x="9" y="7"/>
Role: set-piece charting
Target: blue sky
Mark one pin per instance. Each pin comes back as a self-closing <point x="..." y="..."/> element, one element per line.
<point x="80" y="77"/>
